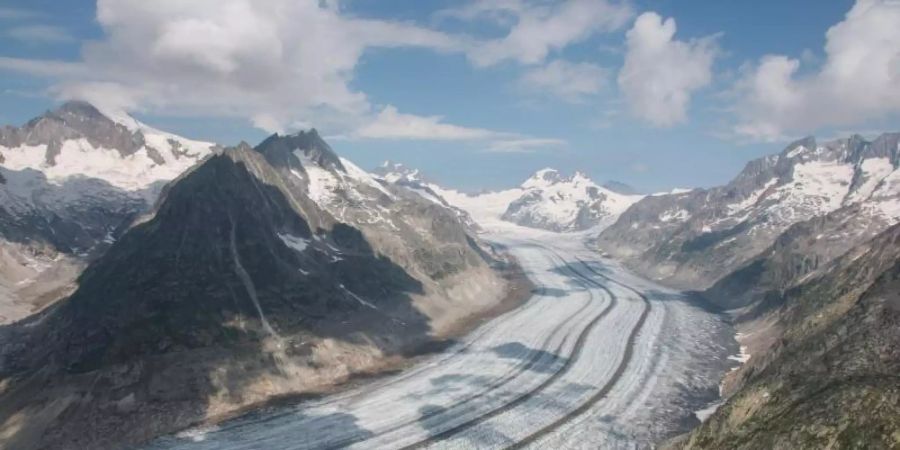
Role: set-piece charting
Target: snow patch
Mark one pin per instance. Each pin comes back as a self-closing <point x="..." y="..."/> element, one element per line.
<point x="674" y="191"/>
<point x="795" y="152"/>
<point x="297" y="243"/>
<point x="322" y="183"/>
<point x="678" y="215"/>
<point x="361" y="300"/>
<point x="874" y="170"/>
<point x="705" y="413"/>
<point x="363" y="177"/>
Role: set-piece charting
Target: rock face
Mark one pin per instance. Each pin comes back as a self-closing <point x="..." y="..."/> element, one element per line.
<point x="71" y="181"/>
<point x="832" y="376"/>
<point x="803" y="248"/>
<point x="261" y="273"/>
<point x="411" y="180"/>
<point x="846" y="189"/>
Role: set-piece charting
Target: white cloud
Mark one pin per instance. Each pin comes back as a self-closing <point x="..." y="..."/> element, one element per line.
<point x="660" y="73"/>
<point x="281" y="64"/>
<point x="537" y="28"/>
<point x="276" y="62"/>
<point x="391" y="124"/>
<point x="571" y="82"/>
<point x="858" y="81"/>
<point x="39" y="34"/>
<point x="523" y="145"/>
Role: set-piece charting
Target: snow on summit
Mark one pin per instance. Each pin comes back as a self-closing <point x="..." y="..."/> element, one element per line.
<point x="547" y="200"/>
<point x="78" y="140"/>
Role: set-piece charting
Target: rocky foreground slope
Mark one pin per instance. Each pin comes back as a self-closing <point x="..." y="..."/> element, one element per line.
<point x="71" y="181"/>
<point x="261" y="273"/>
<point x="802" y="249"/>
<point x="830" y="377"/>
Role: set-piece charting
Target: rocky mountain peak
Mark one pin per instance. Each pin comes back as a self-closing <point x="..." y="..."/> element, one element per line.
<point x="73" y="120"/>
<point x="579" y="176"/>
<point x="886" y="145"/>
<point x="79" y="108"/>
<point x="280" y="150"/>
<point x="799" y="147"/>
<point x="853" y="149"/>
<point x="552" y="201"/>
<point x="544" y="177"/>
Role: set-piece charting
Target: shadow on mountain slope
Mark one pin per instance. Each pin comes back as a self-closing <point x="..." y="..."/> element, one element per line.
<point x="225" y="298"/>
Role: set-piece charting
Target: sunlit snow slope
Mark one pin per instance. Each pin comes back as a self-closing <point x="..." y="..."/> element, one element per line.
<point x="547" y="200"/>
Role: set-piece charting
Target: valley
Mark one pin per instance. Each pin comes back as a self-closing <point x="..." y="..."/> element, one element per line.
<point x="595" y="355"/>
<point x="280" y="296"/>
<point x="474" y="224"/>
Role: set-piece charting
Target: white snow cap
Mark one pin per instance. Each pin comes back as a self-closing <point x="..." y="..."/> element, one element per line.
<point x="78" y="158"/>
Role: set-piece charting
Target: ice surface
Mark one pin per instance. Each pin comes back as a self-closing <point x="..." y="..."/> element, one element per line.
<point x="529" y="369"/>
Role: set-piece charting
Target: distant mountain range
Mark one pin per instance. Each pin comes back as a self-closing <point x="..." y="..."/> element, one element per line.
<point x="695" y="238"/>
<point x="547" y="200"/>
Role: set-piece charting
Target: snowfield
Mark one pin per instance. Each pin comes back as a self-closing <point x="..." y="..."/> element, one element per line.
<point x="596" y="358"/>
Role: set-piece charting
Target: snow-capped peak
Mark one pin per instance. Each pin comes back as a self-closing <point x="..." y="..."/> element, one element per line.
<point x="80" y="141"/>
<point x="552" y="201"/>
<point x="547" y="199"/>
<point x="580" y="177"/>
<point x="543" y="178"/>
<point x="398" y="173"/>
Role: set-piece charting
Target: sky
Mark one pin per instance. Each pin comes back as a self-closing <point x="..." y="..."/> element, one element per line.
<point x="477" y="94"/>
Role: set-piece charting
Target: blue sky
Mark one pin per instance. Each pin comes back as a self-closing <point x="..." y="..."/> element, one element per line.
<point x="442" y="86"/>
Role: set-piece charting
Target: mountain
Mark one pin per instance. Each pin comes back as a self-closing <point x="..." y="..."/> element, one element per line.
<point x="547" y="200"/>
<point x="397" y="174"/>
<point x="802" y="248"/>
<point x="71" y="181"/>
<point x="829" y="377"/>
<point x="260" y="273"/>
<point x="847" y="189"/>
<point x="555" y="202"/>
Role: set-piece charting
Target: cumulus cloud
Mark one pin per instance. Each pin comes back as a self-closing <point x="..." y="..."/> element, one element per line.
<point x="571" y="82"/>
<point x="858" y="81"/>
<point x="288" y="64"/>
<point x="276" y="62"/>
<point x="535" y="29"/>
<point x="661" y="73"/>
